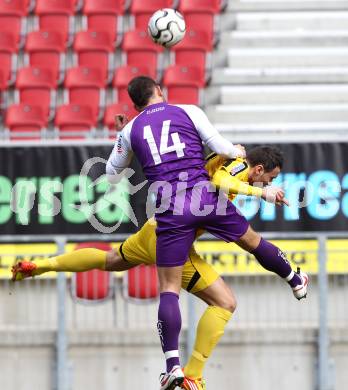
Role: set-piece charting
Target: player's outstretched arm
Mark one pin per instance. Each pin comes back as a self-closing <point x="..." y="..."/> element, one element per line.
<point x="232" y="185"/>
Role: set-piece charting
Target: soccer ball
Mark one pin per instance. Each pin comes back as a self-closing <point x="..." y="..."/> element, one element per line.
<point x="167" y="27"/>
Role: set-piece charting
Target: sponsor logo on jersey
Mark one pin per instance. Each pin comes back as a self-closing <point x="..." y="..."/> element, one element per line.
<point x="238" y="168"/>
<point x="155" y="110"/>
<point x="119" y="144"/>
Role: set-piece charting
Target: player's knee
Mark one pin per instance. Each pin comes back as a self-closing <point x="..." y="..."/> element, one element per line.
<point x="228" y="302"/>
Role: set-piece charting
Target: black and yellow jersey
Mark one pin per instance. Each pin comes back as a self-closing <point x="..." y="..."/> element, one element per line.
<point x="231" y="176"/>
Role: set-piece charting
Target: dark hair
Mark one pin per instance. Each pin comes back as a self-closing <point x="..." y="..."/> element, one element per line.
<point x="140" y="90"/>
<point x="269" y="156"/>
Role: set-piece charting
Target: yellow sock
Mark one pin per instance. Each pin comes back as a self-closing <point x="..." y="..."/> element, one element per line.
<point x="210" y="328"/>
<point x="77" y="261"/>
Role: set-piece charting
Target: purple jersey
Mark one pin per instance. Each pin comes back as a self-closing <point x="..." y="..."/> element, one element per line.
<point x="166" y="142"/>
<point x="167" y="139"/>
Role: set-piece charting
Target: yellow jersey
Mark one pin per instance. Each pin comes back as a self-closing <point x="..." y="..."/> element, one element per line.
<point x="231" y="176"/>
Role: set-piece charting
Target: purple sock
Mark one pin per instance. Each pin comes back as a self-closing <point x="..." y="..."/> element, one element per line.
<point x="273" y="259"/>
<point x="169" y="326"/>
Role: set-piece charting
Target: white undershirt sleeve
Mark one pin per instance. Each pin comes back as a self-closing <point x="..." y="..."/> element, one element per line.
<point x="209" y="135"/>
<point x="121" y="154"/>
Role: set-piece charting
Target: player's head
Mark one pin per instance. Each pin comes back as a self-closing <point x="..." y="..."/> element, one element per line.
<point x="265" y="164"/>
<point x="143" y="91"/>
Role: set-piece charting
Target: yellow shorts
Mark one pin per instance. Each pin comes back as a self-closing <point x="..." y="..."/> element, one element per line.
<point x="140" y="248"/>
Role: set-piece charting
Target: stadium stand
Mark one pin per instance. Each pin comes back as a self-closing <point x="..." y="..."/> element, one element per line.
<point x="83" y="53"/>
<point x="25" y="118"/>
<point x="37" y="85"/>
<point x="201" y="15"/>
<point x="117" y="108"/>
<point x="95" y="49"/>
<point x="86" y="87"/>
<point x="56" y="16"/>
<point x="184" y="84"/>
<point x="140" y="49"/>
<point x="12" y="18"/>
<point x="286" y="69"/>
<point x="142" y="11"/>
<point x="47" y="49"/>
<point x="105" y="15"/>
<point x="74" y="121"/>
<point x="3" y="83"/>
<point x="124" y="74"/>
<point x="196" y="48"/>
<point x="8" y="55"/>
<point x="270" y="70"/>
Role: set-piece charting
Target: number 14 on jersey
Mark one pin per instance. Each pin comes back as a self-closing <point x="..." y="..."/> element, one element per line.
<point x="177" y="146"/>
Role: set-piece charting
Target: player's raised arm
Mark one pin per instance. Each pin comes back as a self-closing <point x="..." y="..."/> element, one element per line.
<point x="121" y="154"/>
<point x="210" y="136"/>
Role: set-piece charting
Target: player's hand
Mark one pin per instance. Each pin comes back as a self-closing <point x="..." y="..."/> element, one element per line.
<point x="241" y="150"/>
<point x="280" y="199"/>
<point x="274" y="195"/>
<point x="284" y="201"/>
<point x="120" y="121"/>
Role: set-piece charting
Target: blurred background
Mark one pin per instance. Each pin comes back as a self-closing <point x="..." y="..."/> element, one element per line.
<point x="264" y="71"/>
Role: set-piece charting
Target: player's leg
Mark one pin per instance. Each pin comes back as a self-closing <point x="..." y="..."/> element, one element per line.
<point x="211" y="325"/>
<point x="273" y="259"/>
<point x="76" y="261"/>
<point x="174" y="241"/>
<point x="203" y="281"/>
<point x="169" y="324"/>
<point x="231" y="226"/>
<point x="139" y="248"/>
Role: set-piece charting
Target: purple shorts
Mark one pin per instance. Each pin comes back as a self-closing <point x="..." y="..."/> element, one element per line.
<point x="176" y="233"/>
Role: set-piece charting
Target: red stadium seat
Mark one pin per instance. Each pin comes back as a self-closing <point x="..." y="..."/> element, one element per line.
<point x="74" y="121"/>
<point x="105" y="15"/>
<point x="12" y="19"/>
<point x="86" y="87"/>
<point x="8" y="55"/>
<point x="214" y="6"/>
<point x="195" y="49"/>
<point x="36" y="86"/>
<point x="46" y="50"/>
<point x="184" y="84"/>
<point x="115" y="109"/>
<point x="141" y="50"/>
<point x="25" y="118"/>
<point x="141" y="284"/>
<point x="125" y="73"/>
<point x="92" y="286"/>
<point x="3" y="81"/>
<point x="94" y="49"/>
<point x="56" y="15"/>
<point x="142" y="10"/>
<point x="3" y="87"/>
<point x="200" y="15"/>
